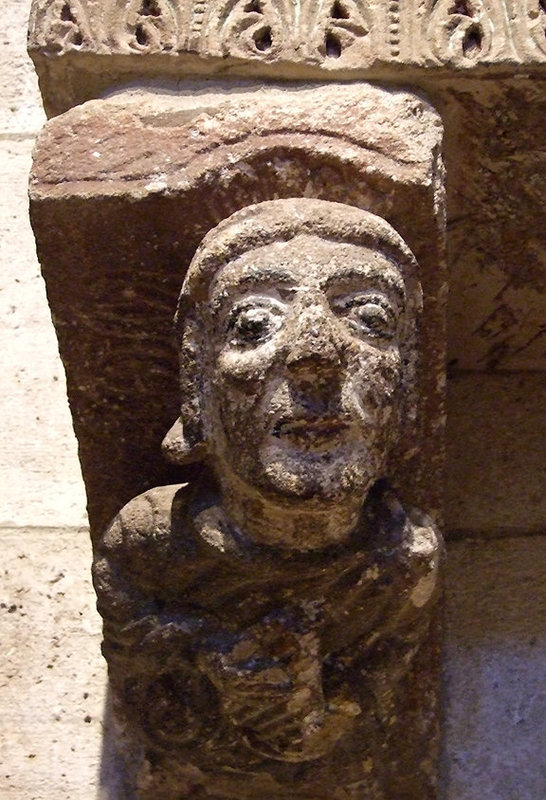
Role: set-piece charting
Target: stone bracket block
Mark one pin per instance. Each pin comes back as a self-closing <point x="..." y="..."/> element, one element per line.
<point x="263" y="640"/>
<point x="130" y="185"/>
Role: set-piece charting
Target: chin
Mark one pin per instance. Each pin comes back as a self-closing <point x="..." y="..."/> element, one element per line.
<point x="319" y="478"/>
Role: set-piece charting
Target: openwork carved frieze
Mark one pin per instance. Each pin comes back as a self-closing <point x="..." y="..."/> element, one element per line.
<point x="273" y="29"/>
<point x="464" y="31"/>
<point x="332" y="34"/>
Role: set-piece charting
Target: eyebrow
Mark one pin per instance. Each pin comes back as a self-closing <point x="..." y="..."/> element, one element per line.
<point x="271" y="279"/>
<point x="385" y="279"/>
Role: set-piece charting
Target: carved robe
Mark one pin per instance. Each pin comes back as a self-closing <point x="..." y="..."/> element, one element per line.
<point x="218" y="645"/>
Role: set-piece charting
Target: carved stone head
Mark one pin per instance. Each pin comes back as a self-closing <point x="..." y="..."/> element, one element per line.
<point x="297" y="337"/>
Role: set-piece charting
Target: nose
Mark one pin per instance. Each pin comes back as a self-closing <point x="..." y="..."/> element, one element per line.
<point x="316" y="350"/>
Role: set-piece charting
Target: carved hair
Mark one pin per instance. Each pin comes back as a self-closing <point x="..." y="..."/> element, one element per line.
<point x="257" y="226"/>
<point x="281" y="220"/>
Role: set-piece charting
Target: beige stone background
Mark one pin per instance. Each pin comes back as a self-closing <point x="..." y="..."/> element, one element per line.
<point x="52" y="678"/>
<point x="51" y="673"/>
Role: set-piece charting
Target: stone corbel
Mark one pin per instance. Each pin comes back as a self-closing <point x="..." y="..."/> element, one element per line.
<point x="253" y="659"/>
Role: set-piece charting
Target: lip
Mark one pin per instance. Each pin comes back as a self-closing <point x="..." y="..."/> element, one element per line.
<point x="310" y="428"/>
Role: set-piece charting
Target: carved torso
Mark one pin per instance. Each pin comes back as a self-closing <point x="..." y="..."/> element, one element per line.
<point x="217" y="644"/>
<point x="264" y="625"/>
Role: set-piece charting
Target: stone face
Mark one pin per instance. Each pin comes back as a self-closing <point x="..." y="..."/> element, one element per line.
<point x="268" y="627"/>
<point x="318" y="355"/>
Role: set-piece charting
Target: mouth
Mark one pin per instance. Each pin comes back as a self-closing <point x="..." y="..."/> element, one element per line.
<point x="311" y="430"/>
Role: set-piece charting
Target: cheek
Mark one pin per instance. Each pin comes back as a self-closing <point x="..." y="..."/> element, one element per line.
<point x="378" y="377"/>
<point x="242" y="367"/>
<point x="239" y="384"/>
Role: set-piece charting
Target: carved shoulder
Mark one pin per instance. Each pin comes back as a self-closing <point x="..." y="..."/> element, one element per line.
<point x="136" y="548"/>
<point x="147" y="523"/>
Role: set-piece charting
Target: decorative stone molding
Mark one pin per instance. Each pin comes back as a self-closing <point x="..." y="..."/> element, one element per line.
<point x="273" y="30"/>
<point x="312" y="39"/>
<point x="332" y="34"/>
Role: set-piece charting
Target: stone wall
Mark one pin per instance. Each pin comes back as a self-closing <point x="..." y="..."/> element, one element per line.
<point x="52" y="676"/>
<point x="52" y="691"/>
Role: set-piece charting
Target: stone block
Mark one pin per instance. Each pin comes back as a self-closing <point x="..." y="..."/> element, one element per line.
<point x="496" y="441"/>
<point x="496" y="245"/>
<point x="131" y="184"/>
<point x="40" y="475"/>
<point x="495" y="726"/>
<point x="53" y="689"/>
<point x="275" y="39"/>
<point x="301" y="684"/>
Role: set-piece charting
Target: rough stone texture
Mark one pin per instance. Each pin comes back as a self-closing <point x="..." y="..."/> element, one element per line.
<point x="510" y="675"/>
<point x="495" y="734"/>
<point x="153" y="173"/>
<point x="497" y="277"/>
<point x="47" y="749"/>
<point x="275" y="38"/>
<point x="40" y="479"/>
<point x="40" y="474"/>
<point x="52" y="689"/>
<point x="21" y="112"/>
<point x="496" y="165"/>
<point x="269" y="628"/>
<point x="496" y="446"/>
<point x="316" y="678"/>
<point x="495" y="655"/>
<point x="449" y="50"/>
<point x="211" y="156"/>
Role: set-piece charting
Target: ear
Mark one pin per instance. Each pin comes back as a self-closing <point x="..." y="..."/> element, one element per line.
<point x="184" y="442"/>
<point x="177" y="449"/>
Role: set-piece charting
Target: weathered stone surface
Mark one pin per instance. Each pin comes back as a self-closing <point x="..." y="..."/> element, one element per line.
<point x="496" y="238"/>
<point x="496" y="441"/>
<point x="497" y="277"/>
<point x="40" y="477"/>
<point x="496" y="687"/>
<point x="348" y="31"/>
<point x="274" y="38"/>
<point x="495" y="730"/>
<point x="143" y="178"/>
<point x="494" y="654"/>
<point x="268" y="627"/>
<point x="53" y="687"/>
<point x="331" y="581"/>
<point x="21" y="112"/>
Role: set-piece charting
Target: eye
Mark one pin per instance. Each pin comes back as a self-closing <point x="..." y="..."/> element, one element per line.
<point x="369" y="315"/>
<point x="253" y="323"/>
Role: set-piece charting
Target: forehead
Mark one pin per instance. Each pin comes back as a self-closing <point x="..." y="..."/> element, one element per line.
<point x="307" y="262"/>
